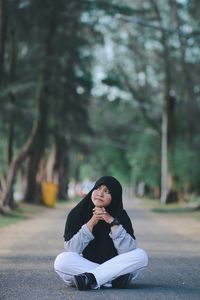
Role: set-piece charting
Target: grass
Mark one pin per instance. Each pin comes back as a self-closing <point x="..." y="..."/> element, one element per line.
<point x="22" y="212"/>
<point x="26" y="211"/>
<point x="70" y="200"/>
<point x="188" y="208"/>
<point x="174" y="209"/>
<point x="12" y="217"/>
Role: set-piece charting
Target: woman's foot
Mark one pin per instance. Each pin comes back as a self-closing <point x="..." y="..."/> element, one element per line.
<point x="84" y="281"/>
<point x="122" y="282"/>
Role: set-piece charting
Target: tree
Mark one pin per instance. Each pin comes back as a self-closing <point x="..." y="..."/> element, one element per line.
<point x="66" y="79"/>
<point x="151" y="65"/>
<point x="2" y="37"/>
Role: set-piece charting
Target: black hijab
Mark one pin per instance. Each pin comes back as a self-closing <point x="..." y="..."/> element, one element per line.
<point x="101" y="248"/>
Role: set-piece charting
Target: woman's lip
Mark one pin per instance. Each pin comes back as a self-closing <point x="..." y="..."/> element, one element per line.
<point x="98" y="199"/>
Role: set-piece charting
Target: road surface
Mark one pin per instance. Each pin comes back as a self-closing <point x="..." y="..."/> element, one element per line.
<point x="28" y="250"/>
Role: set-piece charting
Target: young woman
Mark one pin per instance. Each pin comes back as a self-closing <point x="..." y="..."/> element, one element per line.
<point x="100" y="246"/>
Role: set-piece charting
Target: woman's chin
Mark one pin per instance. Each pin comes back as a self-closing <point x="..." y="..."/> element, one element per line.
<point x="98" y="203"/>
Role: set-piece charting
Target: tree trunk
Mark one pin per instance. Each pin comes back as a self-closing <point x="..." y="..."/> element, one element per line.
<point x="14" y="167"/>
<point x="2" y="37"/>
<point x="13" y="57"/>
<point x="10" y="157"/>
<point x="63" y="180"/>
<point x="33" y="189"/>
<point x="10" y="142"/>
<point x="62" y="167"/>
<point x="51" y="171"/>
<point x="57" y="169"/>
<point x="164" y="160"/>
<point x="168" y="124"/>
<point x="22" y="155"/>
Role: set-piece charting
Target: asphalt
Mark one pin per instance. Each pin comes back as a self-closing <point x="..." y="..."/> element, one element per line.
<point x="28" y="250"/>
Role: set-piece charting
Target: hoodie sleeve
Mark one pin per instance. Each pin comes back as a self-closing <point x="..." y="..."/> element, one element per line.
<point x="123" y="236"/>
<point x="77" y="235"/>
<point x="79" y="241"/>
<point x="122" y="240"/>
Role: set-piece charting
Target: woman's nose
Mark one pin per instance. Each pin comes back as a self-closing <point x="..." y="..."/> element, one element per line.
<point x="100" y="192"/>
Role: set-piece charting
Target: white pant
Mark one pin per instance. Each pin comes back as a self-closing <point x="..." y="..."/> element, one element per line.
<point x="68" y="264"/>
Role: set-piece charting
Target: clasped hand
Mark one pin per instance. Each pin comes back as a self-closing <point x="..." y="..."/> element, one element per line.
<point x="100" y="213"/>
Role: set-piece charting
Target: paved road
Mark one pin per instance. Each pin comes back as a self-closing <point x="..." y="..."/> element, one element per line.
<point x="28" y="249"/>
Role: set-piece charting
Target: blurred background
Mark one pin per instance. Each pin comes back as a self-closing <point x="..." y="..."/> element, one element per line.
<point x="92" y="88"/>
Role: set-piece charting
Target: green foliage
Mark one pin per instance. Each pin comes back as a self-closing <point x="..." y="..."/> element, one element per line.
<point x="114" y="162"/>
<point x="145" y="158"/>
<point x="112" y="81"/>
<point x="105" y="84"/>
<point x="184" y="162"/>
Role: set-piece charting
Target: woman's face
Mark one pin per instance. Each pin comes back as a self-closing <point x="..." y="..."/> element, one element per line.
<point x="101" y="196"/>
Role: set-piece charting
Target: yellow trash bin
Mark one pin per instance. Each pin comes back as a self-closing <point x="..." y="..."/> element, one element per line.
<point x="49" y="193"/>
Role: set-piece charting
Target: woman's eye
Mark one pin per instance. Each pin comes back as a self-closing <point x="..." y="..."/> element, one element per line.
<point x="106" y="191"/>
